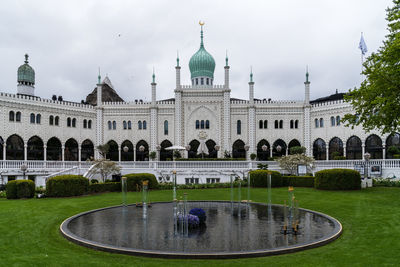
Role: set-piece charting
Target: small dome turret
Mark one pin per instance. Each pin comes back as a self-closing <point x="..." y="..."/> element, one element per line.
<point x="202" y="64"/>
<point x="26" y="74"/>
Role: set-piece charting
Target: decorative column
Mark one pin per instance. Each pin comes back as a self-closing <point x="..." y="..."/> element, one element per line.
<point x="25" y="151"/>
<point x="99" y="117"/>
<point x="362" y="148"/>
<point x="178" y="105"/>
<point x="178" y="73"/>
<point x="270" y="152"/>
<point x="153" y="116"/>
<point x="45" y="153"/>
<point x="119" y="154"/>
<point x="63" y="153"/>
<point x="307" y="119"/>
<point x="4" y="151"/>
<point x="79" y="153"/>
<point x="327" y="152"/>
<point x="344" y="150"/>
<point x="383" y="150"/>
<point x="134" y="153"/>
<point x="226" y="84"/>
<point x="226" y="122"/>
<point x="252" y="117"/>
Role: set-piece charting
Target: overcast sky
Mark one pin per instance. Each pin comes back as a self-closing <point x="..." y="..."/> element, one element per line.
<point x="68" y="40"/>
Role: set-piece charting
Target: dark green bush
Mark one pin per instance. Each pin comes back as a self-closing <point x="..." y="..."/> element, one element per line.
<point x="338" y="179"/>
<point x="20" y="189"/>
<point x="134" y="180"/>
<point x="298" y="181"/>
<point x="259" y="178"/>
<point x="339" y="158"/>
<point x="105" y="187"/>
<point x="66" y="186"/>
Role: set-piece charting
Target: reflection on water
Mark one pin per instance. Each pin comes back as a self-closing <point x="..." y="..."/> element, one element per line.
<point x="259" y="229"/>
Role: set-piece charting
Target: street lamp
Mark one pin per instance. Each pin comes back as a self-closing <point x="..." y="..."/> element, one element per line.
<point x="246" y="148"/>
<point x="217" y="148"/>
<point x="125" y="148"/>
<point x="23" y="169"/>
<point x="264" y="149"/>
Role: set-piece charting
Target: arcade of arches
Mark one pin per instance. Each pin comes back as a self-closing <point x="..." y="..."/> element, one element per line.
<point x="15" y="148"/>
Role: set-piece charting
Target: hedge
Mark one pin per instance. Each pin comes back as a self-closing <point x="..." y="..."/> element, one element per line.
<point x="105" y="187"/>
<point x="66" y="186"/>
<point x="298" y="181"/>
<point x="338" y="179"/>
<point x="259" y="178"/>
<point x="134" y="180"/>
<point x="20" y="189"/>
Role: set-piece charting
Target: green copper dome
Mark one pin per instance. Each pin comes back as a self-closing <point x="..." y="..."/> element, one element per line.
<point x="25" y="73"/>
<point x="202" y="64"/>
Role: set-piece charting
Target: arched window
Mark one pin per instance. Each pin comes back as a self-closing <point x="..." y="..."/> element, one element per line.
<point x="18" y="116"/>
<point x="319" y="149"/>
<point x="144" y="125"/>
<point x="238" y="150"/>
<point x="373" y="145"/>
<point x="74" y="122"/>
<point x="68" y="122"/>
<point x="129" y="125"/>
<point x="90" y="124"/>
<point x="281" y="124"/>
<point x="165" y="127"/>
<point x="332" y="121"/>
<point x="279" y="148"/>
<point x="51" y="120"/>
<point x="316" y="123"/>
<point x="54" y="149"/>
<point x="142" y="151"/>
<point x="109" y="125"/>
<point x="11" y="116"/>
<point x="392" y="145"/>
<point x="166" y="154"/>
<point x="113" y="153"/>
<point x="129" y="154"/>
<point x="291" y="124"/>
<point x="335" y="148"/>
<point x="321" y="122"/>
<point x="239" y="127"/>
<point x="56" y="120"/>
<point x="265" y="124"/>
<point x="87" y="150"/>
<point x="276" y="124"/>
<point x="197" y="124"/>
<point x="140" y="125"/>
<point x="125" y="125"/>
<point x="114" y="125"/>
<point x="296" y="124"/>
<point x="202" y="124"/>
<point x="293" y="143"/>
<point x="337" y="120"/>
<point x="85" y="124"/>
<point x="71" y="150"/>
<point x="14" y="148"/>
<point x="207" y="124"/>
<point x="263" y="150"/>
<point x="38" y="118"/>
<point x="35" y="148"/>
<point x="353" y="148"/>
<point x="260" y="124"/>
<point x="32" y="118"/>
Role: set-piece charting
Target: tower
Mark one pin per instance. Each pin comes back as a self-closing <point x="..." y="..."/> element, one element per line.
<point x="99" y="115"/>
<point x="307" y="117"/>
<point x="252" y="116"/>
<point x="153" y="115"/>
<point x="26" y="79"/>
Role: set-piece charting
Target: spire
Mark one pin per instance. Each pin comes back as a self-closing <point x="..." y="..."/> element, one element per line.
<point x="307" y="81"/>
<point x="177" y="58"/>
<point x="201" y="34"/>
<point x="99" y="77"/>
<point x="251" y="74"/>
<point x="26" y="58"/>
<point x="226" y="59"/>
<point x="154" y="76"/>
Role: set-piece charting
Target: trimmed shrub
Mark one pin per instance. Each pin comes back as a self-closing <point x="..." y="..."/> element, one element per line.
<point x="20" y="189"/>
<point x="259" y="178"/>
<point x="298" y="181"/>
<point x="105" y="187"/>
<point x="338" y="179"/>
<point x="134" y="180"/>
<point x="67" y="186"/>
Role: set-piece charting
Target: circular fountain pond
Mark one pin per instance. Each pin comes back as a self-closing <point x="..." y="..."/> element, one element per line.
<point x="256" y="232"/>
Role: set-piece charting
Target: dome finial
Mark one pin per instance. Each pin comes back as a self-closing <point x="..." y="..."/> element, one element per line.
<point x="307" y="74"/>
<point x="226" y="58"/>
<point x="251" y="74"/>
<point x="26" y="58"/>
<point x="177" y="58"/>
<point x="99" y="77"/>
<point x="154" y="76"/>
<point x="201" y="33"/>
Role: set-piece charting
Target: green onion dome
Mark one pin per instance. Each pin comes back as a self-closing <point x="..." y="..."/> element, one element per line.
<point x="26" y="74"/>
<point x="202" y="64"/>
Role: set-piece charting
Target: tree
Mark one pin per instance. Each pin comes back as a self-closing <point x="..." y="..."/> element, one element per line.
<point x="377" y="102"/>
<point x="290" y="162"/>
<point x="103" y="150"/>
<point x="297" y="150"/>
<point x="105" y="168"/>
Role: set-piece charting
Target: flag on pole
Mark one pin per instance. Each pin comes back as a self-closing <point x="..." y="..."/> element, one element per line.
<point x="362" y="45"/>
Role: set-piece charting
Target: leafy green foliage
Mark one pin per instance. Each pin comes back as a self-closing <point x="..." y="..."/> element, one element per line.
<point x="20" y="189"/>
<point x="153" y="155"/>
<point x="261" y="166"/>
<point x="134" y="181"/>
<point x="290" y="162"/>
<point x="377" y="102"/>
<point x="67" y="186"/>
<point x="259" y="178"/>
<point x="338" y="179"/>
<point x="297" y="150"/>
<point x="253" y="156"/>
<point x="103" y="150"/>
<point x="105" y="187"/>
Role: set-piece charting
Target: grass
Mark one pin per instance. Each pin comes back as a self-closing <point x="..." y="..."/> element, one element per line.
<point x="370" y="218"/>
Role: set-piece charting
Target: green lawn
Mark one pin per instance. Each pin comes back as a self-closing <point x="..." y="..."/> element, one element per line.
<point x="29" y="234"/>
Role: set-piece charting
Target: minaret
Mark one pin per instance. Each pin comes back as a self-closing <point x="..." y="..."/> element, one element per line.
<point x="153" y="115"/>
<point x="99" y="116"/>
<point x="252" y="117"/>
<point x="26" y="79"/>
<point x="178" y="72"/>
<point x="307" y="117"/>
<point x="226" y="85"/>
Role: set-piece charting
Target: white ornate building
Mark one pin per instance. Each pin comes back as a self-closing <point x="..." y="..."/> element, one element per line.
<point x="49" y="135"/>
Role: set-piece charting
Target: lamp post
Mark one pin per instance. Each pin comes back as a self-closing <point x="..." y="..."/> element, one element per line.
<point x="188" y="147"/>
<point x="141" y="149"/>
<point x="158" y="148"/>
<point x="23" y="169"/>
<point x="246" y="148"/>
<point x="217" y="148"/>
<point x="126" y="149"/>
<point x="264" y="149"/>
<point x="278" y="149"/>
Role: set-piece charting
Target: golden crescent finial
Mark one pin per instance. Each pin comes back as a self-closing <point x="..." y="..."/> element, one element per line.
<point x="201" y="23"/>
